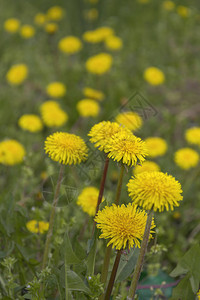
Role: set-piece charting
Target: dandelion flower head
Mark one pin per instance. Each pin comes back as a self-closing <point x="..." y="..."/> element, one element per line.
<point x="51" y="28"/>
<point x="183" y="11"/>
<point x="56" y="89"/>
<point x="113" y="42"/>
<point x="30" y="123"/>
<point x="192" y="135"/>
<point x="17" y="74"/>
<point x="156" y="146"/>
<point x="129" y="119"/>
<point x="52" y="114"/>
<point x="147" y="166"/>
<point x="88" y="108"/>
<point x="40" y="19"/>
<point x="55" y="13"/>
<point x="70" y="45"/>
<point x="88" y="199"/>
<point x="12" y="25"/>
<point x="99" y="64"/>
<point x="11" y="152"/>
<point x="93" y="94"/>
<point x="168" y="5"/>
<point x="37" y="226"/>
<point x="91" y="14"/>
<point x="27" y="31"/>
<point x="186" y="158"/>
<point x="154" y="76"/>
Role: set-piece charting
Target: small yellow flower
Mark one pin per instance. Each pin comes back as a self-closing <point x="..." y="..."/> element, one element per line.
<point x="198" y="295"/>
<point x="113" y="43"/>
<point x="52" y="114"/>
<point x="91" y="14"/>
<point x="92" y="37"/>
<point x="40" y="19"/>
<point x="37" y="226"/>
<point x="56" y="89"/>
<point x="55" y="13"/>
<point x="99" y="64"/>
<point x="88" y="108"/>
<point x="155" y="190"/>
<point x="123" y="225"/>
<point x="156" y="146"/>
<point x="192" y="135"/>
<point x="51" y="28"/>
<point x="30" y="123"/>
<point x="186" y="158"/>
<point x="183" y="11"/>
<point x="147" y="166"/>
<point x="88" y="200"/>
<point x="12" y="25"/>
<point x="105" y="32"/>
<point x="66" y="148"/>
<point x="93" y="94"/>
<point x="70" y="45"/>
<point x="154" y="76"/>
<point x="11" y="152"/>
<point x="168" y="5"/>
<point x="17" y="74"/>
<point x="129" y="119"/>
<point x="27" y="31"/>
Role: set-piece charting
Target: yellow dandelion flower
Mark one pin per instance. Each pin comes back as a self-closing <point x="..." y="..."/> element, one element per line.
<point x="66" y="148"/>
<point x="99" y="64"/>
<point x="113" y="43"/>
<point x="192" y="135"/>
<point x="91" y="14"/>
<point x="198" y="295"/>
<point x="49" y="105"/>
<point x="11" y="152"/>
<point x="51" y="28"/>
<point x="168" y="5"/>
<point x="156" y="146"/>
<point x="93" y="94"/>
<point x="183" y="11"/>
<point x="129" y="119"/>
<point x="70" y="45"/>
<point x="88" y="199"/>
<point x="56" y="89"/>
<point x="104" y="32"/>
<point x="55" y="13"/>
<point x="88" y="108"/>
<point x="123" y="225"/>
<point x="155" y="190"/>
<point x="154" y="76"/>
<point x="12" y="25"/>
<point x="52" y="114"/>
<point x="186" y="158"/>
<point x="147" y="166"/>
<point x="92" y="36"/>
<point x="27" y="31"/>
<point x="40" y="19"/>
<point x="126" y="148"/>
<point x="31" y="123"/>
<point x="17" y="74"/>
<point x="37" y="226"/>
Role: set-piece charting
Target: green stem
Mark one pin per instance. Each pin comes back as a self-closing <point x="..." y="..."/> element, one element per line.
<point x="52" y="217"/>
<point x="140" y="261"/>
<point x="119" y="185"/>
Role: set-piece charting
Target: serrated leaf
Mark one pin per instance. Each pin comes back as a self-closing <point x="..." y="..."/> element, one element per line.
<point x="183" y="290"/>
<point x="127" y="264"/>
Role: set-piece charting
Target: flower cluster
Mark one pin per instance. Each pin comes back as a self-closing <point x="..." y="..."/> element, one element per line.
<point x="52" y="114"/>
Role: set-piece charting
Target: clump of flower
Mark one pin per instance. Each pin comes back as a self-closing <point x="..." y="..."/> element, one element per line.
<point x="155" y="190"/>
<point x="93" y="94"/>
<point x="52" y="114"/>
<point x="98" y="35"/>
<point x="192" y="135"/>
<point x="168" y="5"/>
<point x="11" y="152"/>
<point x="183" y="11"/>
<point x="30" y="123"/>
<point x="40" y="19"/>
<point x="88" y="108"/>
<point x="56" y="89"/>
<point x="123" y="225"/>
<point x="12" y="25"/>
<point x="147" y="166"/>
<point x="55" y="13"/>
<point x="99" y="64"/>
<point x="113" y="42"/>
<point x="156" y="146"/>
<point x="87" y="199"/>
<point x="186" y="158"/>
<point x="70" y="45"/>
<point x="154" y="76"/>
<point x="51" y="28"/>
<point x="17" y="74"/>
<point x="35" y="226"/>
<point x="129" y="119"/>
<point x="27" y="31"/>
<point x="66" y="148"/>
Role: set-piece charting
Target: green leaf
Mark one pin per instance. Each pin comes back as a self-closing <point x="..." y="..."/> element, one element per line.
<point x="74" y="282"/>
<point x="127" y="264"/>
<point x="183" y="290"/>
<point x="23" y="251"/>
<point x="179" y="270"/>
<point x="70" y="256"/>
<point x="92" y="247"/>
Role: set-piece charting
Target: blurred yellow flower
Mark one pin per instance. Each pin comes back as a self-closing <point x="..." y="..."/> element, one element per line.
<point x="91" y="14"/>
<point x="30" y="123"/>
<point x="105" y="32"/>
<point x="17" y="74"/>
<point x="168" y="5"/>
<point x="93" y="94"/>
<point x="56" y="89"/>
<point x="176" y="215"/>
<point x="49" y="105"/>
<point x="52" y="114"/>
<point x="113" y="42"/>
<point x="147" y="166"/>
<point x="37" y="226"/>
<point x="156" y="146"/>
<point x="155" y="190"/>
<point x="154" y="76"/>
<point x="98" y="35"/>
<point x="27" y="31"/>
<point x="198" y="294"/>
<point x="129" y="119"/>
<point x="40" y="19"/>
<point x="192" y="135"/>
<point x="55" y="13"/>
<point x="88" y="108"/>
<point x="186" y="158"/>
<point x="88" y="199"/>
<point x="70" y="45"/>
<point x="99" y="64"/>
<point x="66" y="148"/>
<point x="12" y="25"/>
<point x="183" y="11"/>
<point x="11" y="152"/>
<point x="51" y="28"/>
